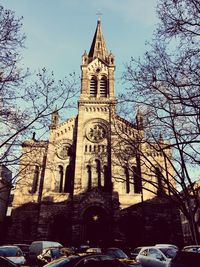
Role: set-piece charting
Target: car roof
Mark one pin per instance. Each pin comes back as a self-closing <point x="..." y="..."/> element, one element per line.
<point x="9" y="246"/>
<point x="75" y="258"/>
<point x="192" y="246"/>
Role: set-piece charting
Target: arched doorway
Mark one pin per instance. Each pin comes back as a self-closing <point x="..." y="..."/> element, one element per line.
<point x="97" y="226"/>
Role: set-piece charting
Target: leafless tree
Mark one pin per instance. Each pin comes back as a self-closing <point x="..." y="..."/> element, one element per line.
<point x="27" y="100"/>
<point x="165" y="84"/>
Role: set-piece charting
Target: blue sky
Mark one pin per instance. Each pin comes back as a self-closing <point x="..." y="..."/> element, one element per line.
<point x="58" y="31"/>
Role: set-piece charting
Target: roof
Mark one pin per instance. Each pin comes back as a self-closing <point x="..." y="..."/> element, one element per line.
<point x="98" y="48"/>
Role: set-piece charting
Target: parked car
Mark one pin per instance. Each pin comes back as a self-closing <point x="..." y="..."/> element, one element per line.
<point x="156" y="256"/>
<point x="92" y="260"/>
<point x="185" y="259"/>
<point x="25" y="249"/>
<point x="94" y="250"/>
<point x="167" y="245"/>
<point x="4" y="262"/>
<point x="36" y="248"/>
<point x="82" y="248"/>
<point x="133" y="253"/>
<point x="192" y="248"/>
<point x="49" y="254"/>
<point x="13" y="253"/>
<point x="119" y="254"/>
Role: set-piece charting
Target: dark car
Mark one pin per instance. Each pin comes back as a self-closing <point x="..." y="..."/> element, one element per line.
<point x="93" y="260"/>
<point x="25" y="249"/>
<point x="13" y="253"/>
<point x="119" y="254"/>
<point x="185" y="259"/>
<point x="4" y="262"/>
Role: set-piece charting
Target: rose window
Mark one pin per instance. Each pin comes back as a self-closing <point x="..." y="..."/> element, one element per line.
<point x="96" y="133"/>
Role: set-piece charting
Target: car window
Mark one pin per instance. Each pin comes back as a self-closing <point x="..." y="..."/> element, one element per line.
<point x="154" y="253"/>
<point x="88" y="262"/>
<point x="144" y="252"/>
<point x="10" y="252"/>
<point x="59" y="262"/>
<point x="136" y="250"/>
<point x="117" y="253"/>
<point x="169" y="252"/>
<point x="55" y="253"/>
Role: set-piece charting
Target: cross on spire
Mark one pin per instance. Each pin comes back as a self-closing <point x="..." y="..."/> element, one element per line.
<point x="99" y="14"/>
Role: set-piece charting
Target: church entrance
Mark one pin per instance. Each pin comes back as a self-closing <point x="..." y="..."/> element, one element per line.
<point x="97" y="226"/>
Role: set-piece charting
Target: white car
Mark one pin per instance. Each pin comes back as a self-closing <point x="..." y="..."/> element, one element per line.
<point x="192" y="248"/>
<point x="13" y="253"/>
<point x="156" y="256"/>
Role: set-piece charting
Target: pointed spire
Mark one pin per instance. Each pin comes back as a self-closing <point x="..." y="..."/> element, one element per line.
<point x="161" y="140"/>
<point x="54" y="119"/>
<point x="98" y="48"/>
<point x="139" y="119"/>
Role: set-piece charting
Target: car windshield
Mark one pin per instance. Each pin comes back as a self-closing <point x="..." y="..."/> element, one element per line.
<point x="169" y="252"/>
<point x="59" y="262"/>
<point x="10" y="252"/>
<point x="118" y="253"/>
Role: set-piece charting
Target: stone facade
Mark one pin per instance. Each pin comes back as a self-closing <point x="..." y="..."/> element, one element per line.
<point x="75" y="186"/>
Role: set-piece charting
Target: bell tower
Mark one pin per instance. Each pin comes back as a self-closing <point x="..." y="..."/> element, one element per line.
<point x="96" y="106"/>
<point x="97" y="68"/>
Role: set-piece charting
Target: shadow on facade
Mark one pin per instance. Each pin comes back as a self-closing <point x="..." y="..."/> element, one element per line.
<point x="95" y="217"/>
<point x="151" y="222"/>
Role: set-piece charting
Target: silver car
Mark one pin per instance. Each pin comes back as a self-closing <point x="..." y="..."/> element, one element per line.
<point x="156" y="256"/>
<point x="13" y="253"/>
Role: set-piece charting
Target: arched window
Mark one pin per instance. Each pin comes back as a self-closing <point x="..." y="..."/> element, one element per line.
<point x="59" y="179"/>
<point x="103" y="87"/>
<point x="137" y="180"/>
<point x="159" y="177"/>
<point x="93" y="86"/>
<point x="127" y="179"/>
<point x="98" y="170"/>
<point x="105" y="174"/>
<point x="68" y="179"/>
<point x="89" y="177"/>
<point x="35" y="179"/>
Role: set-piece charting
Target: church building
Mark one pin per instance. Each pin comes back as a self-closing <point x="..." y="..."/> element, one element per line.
<point x="85" y="184"/>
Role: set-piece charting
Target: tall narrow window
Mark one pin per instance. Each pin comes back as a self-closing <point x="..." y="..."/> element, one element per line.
<point x="105" y="173"/>
<point x="68" y="179"/>
<point x="35" y="179"/>
<point x="98" y="170"/>
<point x="137" y="180"/>
<point x="159" y="176"/>
<point x="93" y="86"/>
<point x="89" y="177"/>
<point x="126" y="172"/>
<point x="103" y="87"/>
<point x="59" y="180"/>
